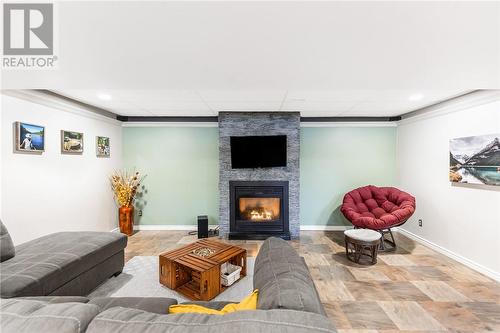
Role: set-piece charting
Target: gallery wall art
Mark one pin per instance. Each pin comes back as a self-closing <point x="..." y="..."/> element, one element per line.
<point x="102" y="146"/>
<point x="29" y="138"/>
<point x="71" y="142"/>
<point x="475" y="159"/>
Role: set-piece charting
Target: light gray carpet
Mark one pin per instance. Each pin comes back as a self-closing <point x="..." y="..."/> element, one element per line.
<point x="140" y="279"/>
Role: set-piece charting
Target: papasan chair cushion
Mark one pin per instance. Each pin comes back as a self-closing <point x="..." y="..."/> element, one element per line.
<point x="377" y="208"/>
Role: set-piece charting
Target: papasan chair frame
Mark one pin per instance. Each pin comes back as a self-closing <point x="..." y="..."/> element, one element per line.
<point x="379" y="209"/>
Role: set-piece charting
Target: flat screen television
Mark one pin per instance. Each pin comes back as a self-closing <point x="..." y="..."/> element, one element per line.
<point x="258" y="151"/>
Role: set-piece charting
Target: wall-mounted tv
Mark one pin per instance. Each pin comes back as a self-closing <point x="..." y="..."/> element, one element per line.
<point x="258" y="151"/>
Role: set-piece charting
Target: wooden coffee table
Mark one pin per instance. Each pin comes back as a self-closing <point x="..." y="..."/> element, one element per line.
<point x="196" y="276"/>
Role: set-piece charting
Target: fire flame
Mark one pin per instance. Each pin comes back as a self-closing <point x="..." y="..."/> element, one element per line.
<point x="264" y="215"/>
<point x="259" y="209"/>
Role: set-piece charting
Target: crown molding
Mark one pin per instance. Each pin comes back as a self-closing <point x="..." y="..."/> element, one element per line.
<point x="348" y="124"/>
<point x="348" y="119"/>
<point x="49" y="99"/>
<point x="170" y="124"/>
<point x="459" y="103"/>
<point x="86" y="106"/>
<point x="168" y="119"/>
<point x="61" y="102"/>
<point x="302" y="125"/>
<point x="215" y="124"/>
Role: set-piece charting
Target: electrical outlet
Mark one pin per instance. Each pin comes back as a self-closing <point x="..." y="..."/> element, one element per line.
<point x="140" y="212"/>
<point x="420" y="222"/>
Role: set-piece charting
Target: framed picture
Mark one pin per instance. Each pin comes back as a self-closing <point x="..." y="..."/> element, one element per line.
<point x="475" y="159"/>
<point x="29" y="138"/>
<point x="102" y="146"/>
<point x="71" y="142"/>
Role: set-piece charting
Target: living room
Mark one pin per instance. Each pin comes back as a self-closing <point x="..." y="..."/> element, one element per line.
<point x="318" y="166"/>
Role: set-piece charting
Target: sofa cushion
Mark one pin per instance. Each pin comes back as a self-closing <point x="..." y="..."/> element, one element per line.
<point x="125" y="320"/>
<point x="27" y="316"/>
<point x="283" y="279"/>
<point x="45" y="264"/>
<point x="7" y="249"/>
<point x="150" y="304"/>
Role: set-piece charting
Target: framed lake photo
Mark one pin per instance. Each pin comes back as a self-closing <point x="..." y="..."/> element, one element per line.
<point x="71" y="142"/>
<point x="102" y="146"/>
<point x="475" y="159"/>
<point x="29" y="138"/>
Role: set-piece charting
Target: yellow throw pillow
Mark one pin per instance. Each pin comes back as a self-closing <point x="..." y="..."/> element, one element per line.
<point x="248" y="303"/>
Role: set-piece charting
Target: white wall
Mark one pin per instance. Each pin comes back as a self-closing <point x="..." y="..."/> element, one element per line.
<point x="464" y="220"/>
<point x="1" y="155"/>
<point x="52" y="192"/>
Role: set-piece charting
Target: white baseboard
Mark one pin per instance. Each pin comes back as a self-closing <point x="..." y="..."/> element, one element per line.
<point x="325" y="227"/>
<point x="182" y="227"/>
<point x="461" y="259"/>
<point x="194" y="227"/>
<point x="115" y="229"/>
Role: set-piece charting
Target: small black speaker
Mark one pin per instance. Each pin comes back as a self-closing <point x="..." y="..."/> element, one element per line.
<point x="202" y="226"/>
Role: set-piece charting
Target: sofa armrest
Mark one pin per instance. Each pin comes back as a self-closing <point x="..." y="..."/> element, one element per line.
<point x="283" y="279"/>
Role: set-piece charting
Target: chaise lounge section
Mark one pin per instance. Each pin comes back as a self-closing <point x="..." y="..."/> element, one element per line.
<point x="60" y="264"/>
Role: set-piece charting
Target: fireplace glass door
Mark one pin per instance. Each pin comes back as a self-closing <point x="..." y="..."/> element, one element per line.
<point x="259" y="210"/>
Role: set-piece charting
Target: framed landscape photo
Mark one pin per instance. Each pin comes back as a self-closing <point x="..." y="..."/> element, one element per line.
<point x="102" y="146"/>
<point x="475" y="159"/>
<point x="71" y="142"/>
<point x="29" y="138"/>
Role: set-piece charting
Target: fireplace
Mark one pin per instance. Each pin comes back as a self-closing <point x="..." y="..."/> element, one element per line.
<point x="258" y="209"/>
<point x="277" y="181"/>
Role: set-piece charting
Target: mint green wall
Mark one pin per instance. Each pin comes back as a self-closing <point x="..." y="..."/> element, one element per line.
<point x="182" y="167"/>
<point x="337" y="159"/>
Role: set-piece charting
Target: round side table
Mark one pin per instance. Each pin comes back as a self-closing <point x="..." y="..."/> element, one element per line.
<point x="361" y="245"/>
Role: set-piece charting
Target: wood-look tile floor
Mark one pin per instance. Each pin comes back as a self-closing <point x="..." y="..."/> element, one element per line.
<point x="413" y="289"/>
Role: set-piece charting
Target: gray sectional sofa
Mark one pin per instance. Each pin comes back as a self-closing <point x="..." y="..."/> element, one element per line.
<point x="288" y="302"/>
<point x="64" y="263"/>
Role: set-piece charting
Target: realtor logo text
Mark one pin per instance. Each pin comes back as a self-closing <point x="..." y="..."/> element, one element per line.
<point x="28" y="36"/>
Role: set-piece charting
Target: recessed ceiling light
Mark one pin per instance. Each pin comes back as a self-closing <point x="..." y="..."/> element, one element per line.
<point x="416" y="97"/>
<point x="104" y="97"/>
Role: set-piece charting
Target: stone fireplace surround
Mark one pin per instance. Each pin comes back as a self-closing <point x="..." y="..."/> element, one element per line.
<point x="259" y="123"/>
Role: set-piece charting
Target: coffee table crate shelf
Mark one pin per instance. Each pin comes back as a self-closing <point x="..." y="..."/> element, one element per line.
<point x="198" y="277"/>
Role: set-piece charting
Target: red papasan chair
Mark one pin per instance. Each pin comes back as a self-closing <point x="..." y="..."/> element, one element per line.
<point x="379" y="209"/>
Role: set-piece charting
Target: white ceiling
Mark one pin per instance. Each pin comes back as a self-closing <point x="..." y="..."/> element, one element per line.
<point x="321" y="58"/>
<point x="209" y="103"/>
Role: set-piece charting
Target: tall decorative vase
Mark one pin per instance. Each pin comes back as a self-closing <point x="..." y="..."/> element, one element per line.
<point x="126" y="218"/>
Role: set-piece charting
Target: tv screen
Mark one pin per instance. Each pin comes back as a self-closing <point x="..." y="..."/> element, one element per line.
<point x="258" y="151"/>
